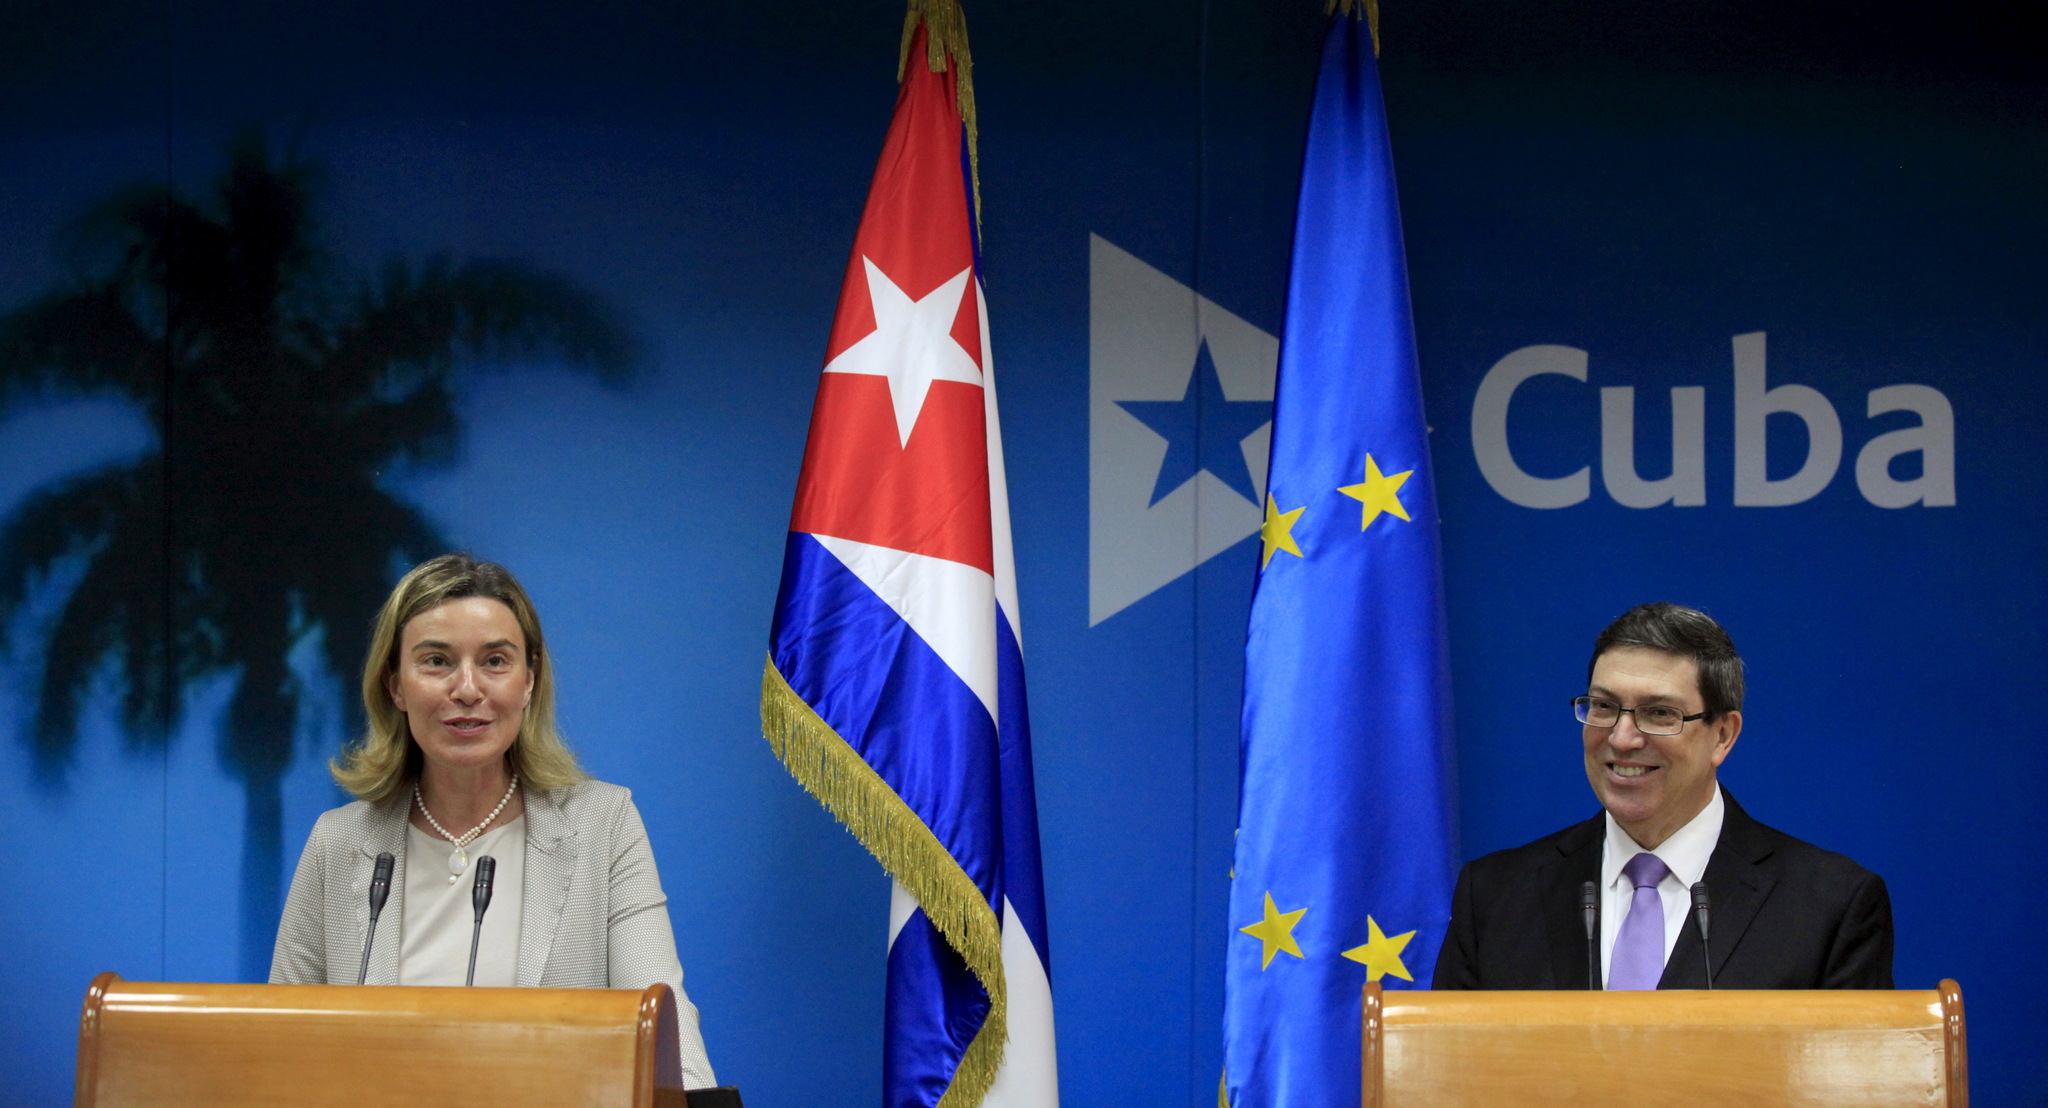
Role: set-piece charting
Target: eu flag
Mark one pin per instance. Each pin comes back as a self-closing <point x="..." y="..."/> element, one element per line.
<point x="1345" y="857"/>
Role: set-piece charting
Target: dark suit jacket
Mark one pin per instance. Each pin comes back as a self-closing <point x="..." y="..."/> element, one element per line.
<point x="1786" y="915"/>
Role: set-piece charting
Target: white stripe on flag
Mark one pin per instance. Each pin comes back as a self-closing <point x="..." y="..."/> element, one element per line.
<point x="950" y="605"/>
<point x="1029" y="1077"/>
<point x="1030" y="1074"/>
<point x="998" y="482"/>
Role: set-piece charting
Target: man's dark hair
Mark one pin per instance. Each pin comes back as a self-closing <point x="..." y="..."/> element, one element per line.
<point x="1688" y="633"/>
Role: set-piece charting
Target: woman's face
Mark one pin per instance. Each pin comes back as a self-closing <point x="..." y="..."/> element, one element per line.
<point x="463" y="682"/>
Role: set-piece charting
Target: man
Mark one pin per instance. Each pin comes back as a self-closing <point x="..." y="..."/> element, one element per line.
<point x="1663" y="707"/>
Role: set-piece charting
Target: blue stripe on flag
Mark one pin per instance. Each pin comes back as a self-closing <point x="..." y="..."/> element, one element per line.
<point x="933" y="1009"/>
<point x="885" y="691"/>
<point x="1023" y="879"/>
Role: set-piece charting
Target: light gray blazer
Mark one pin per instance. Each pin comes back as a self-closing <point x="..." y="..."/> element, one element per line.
<point x="594" y="915"/>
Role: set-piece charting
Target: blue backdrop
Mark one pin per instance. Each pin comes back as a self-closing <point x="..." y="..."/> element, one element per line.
<point x="1640" y="186"/>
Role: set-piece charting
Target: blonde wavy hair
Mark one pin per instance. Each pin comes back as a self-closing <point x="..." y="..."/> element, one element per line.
<point x="386" y="760"/>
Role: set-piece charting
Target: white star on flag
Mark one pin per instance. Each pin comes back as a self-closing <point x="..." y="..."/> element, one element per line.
<point x="912" y="344"/>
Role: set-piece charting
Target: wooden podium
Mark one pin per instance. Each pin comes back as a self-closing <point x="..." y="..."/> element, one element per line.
<point x="1692" y="1047"/>
<point x="169" y="1045"/>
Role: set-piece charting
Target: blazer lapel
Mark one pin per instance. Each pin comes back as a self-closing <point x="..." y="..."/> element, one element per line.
<point x="386" y="833"/>
<point x="1738" y="885"/>
<point x="1576" y="862"/>
<point x="550" y="860"/>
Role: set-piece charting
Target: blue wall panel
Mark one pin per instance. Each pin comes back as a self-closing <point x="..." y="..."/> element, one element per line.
<point x="1642" y="186"/>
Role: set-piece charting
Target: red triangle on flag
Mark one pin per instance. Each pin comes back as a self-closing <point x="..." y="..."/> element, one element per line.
<point x="898" y="450"/>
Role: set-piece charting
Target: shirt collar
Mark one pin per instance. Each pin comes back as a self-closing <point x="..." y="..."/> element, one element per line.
<point x="1685" y="853"/>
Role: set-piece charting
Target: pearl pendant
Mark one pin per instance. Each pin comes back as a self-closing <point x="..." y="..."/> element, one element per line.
<point x="458" y="862"/>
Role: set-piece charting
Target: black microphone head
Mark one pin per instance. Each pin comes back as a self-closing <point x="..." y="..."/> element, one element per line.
<point x="1589" y="895"/>
<point x="380" y="882"/>
<point x="486" y="870"/>
<point x="1701" y="902"/>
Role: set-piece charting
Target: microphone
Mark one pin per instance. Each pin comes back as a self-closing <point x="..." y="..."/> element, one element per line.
<point x="486" y="869"/>
<point x="1701" y="906"/>
<point x="380" y="890"/>
<point x="1589" y="909"/>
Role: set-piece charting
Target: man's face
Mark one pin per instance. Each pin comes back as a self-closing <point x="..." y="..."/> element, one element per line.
<point x="1654" y="784"/>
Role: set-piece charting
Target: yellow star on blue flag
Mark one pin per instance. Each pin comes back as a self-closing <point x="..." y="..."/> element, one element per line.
<point x="1379" y="492"/>
<point x="1275" y="931"/>
<point x="1277" y="533"/>
<point x="1381" y="954"/>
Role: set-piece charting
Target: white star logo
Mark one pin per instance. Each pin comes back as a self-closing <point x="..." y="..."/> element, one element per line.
<point x="912" y="344"/>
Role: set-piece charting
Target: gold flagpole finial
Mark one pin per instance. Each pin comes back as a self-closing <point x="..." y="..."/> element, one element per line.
<point x="946" y="37"/>
<point x="1368" y="9"/>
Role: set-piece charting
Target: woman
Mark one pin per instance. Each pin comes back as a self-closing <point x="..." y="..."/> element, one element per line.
<point x="461" y="761"/>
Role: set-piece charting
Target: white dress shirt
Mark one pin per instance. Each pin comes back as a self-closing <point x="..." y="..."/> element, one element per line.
<point x="1685" y="855"/>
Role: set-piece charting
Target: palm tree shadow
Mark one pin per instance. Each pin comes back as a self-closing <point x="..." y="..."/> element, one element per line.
<point x="280" y="389"/>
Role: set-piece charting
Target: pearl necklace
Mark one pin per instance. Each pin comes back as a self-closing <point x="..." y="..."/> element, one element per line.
<point x="458" y="862"/>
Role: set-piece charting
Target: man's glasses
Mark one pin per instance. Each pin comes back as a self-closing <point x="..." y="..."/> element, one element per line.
<point x="1651" y="719"/>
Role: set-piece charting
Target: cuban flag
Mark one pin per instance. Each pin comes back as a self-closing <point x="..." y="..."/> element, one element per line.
<point x="894" y="690"/>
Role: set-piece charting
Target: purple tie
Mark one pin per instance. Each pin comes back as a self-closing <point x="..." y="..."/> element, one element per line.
<point x="1638" y="960"/>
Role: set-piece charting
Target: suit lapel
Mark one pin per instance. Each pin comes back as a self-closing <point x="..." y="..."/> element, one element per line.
<point x="386" y="832"/>
<point x="1738" y="884"/>
<point x="1576" y="862"/>
<point x="550" y="859"/>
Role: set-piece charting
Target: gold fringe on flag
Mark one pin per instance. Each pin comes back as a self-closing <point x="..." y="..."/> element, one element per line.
<point x="1370" y="9"/>
<point x="856" y="795"/>
<point x="946" y="36"/>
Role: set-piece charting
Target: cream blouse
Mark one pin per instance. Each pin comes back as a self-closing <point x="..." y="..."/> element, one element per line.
<point x="440" y="913"/>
